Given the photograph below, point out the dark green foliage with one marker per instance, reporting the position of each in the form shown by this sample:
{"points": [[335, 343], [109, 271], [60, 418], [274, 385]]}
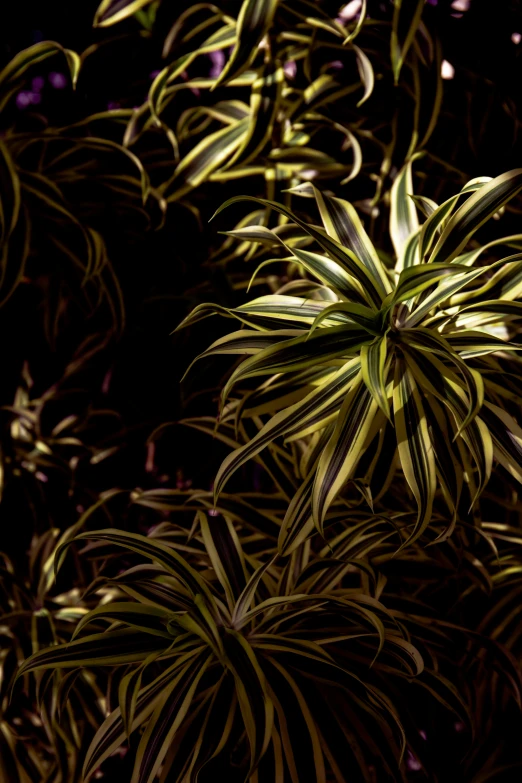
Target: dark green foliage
{"points": [[298, 558]]}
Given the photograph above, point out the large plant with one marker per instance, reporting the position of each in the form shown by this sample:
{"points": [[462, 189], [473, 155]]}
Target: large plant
{"points": [[228, 657], [375, 367]]}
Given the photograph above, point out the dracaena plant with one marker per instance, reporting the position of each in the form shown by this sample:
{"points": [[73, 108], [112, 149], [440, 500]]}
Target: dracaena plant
{"points": [[224, 658], [285, 92], [373, 367]]}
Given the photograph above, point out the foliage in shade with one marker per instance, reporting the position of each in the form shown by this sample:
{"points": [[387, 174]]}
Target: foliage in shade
{"points": [[265, 639], [340, 600]]}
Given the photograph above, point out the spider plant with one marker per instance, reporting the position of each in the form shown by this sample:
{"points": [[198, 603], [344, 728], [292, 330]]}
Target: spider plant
{"points": [[215, 656], [376, 367], [285, 93]]}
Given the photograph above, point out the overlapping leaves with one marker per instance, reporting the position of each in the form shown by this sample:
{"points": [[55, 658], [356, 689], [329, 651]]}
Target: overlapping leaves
{"points": [[400, 365], [244, 640]]}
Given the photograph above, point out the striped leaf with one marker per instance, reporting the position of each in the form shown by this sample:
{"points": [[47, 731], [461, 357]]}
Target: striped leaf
{"points": [[344, 449], [406, 19], [403, 215], [476, 210], [255, 18], [373, 365], [414, 444], [110, 12]]}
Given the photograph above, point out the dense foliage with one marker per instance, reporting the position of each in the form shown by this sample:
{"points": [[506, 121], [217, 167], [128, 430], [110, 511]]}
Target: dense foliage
{"points": [[298, 556]]}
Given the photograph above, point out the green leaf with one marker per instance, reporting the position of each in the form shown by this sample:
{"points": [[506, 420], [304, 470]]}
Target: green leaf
{"points": [[344, 225], [100, 649], [343, 256], [226, 555], [344, 449], [264, 105], [255, 703], [174, 704], [365, 69], [147, 547], [207, 156], [9, 194], [413, 280], [475, 211], [318, 403], [20, 63], [406, 19], [373, 363], [403, 215], [140, 617], [414, 444], [254, 20], [112, 11]]}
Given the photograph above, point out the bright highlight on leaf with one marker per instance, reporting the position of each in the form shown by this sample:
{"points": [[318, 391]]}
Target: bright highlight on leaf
{"points": [[398, 354]]}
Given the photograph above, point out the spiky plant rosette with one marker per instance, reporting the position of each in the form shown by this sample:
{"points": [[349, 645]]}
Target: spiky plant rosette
{"points": [[375, 368], [220, 656]]}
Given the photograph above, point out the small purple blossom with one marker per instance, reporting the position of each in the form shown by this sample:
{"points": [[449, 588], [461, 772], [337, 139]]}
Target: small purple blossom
{"points": [[212, 512], [413, 763], [23, 99], [290, 69], [38, 83], [57, 80], [112, 105], [350, 11], [423, 734], [461, 5], [153, 74], [26, 98], [217, 58]]}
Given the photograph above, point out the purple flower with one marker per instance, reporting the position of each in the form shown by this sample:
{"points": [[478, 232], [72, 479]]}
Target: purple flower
{"points": [[26, 98], [153, 74], [413, 763], [111, 105], [217, 58], [38, 83], [290, 69], [57, 80], [23, 99], [349, 11]]}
